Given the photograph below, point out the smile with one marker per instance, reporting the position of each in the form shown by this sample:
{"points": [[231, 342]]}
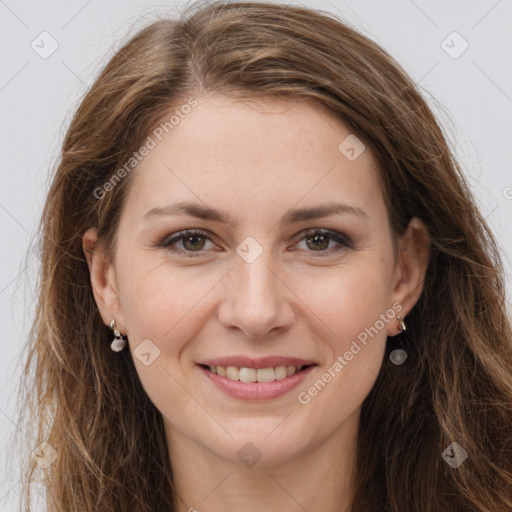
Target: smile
{"points": [[256, 383], [244, 374]]}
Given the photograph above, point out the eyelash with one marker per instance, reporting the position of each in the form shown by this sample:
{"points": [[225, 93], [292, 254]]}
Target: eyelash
{"points": [[342, 240]]}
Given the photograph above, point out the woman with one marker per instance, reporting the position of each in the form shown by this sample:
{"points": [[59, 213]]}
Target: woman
{"points": [[266, 285]]}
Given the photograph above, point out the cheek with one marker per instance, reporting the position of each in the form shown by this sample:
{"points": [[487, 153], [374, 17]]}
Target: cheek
{"points": [[349, 298], [352, 302], [352, 308], [163, 303]]}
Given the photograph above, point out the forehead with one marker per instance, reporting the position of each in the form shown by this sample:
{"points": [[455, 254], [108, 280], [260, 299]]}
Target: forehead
{"points": [[261, 152]]}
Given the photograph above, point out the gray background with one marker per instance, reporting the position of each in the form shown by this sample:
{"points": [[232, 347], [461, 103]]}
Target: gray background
{"points": [[470, 91]]}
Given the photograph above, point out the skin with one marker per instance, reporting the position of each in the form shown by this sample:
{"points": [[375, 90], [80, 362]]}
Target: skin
{"points": [[257, 161]]}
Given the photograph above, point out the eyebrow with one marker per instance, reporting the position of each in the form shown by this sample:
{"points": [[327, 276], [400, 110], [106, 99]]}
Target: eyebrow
{"points": [[292, 216]]}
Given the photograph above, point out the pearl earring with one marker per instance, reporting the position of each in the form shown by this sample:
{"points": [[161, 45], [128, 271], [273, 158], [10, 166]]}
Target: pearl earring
{"points": [[119, 342], [398, 356]]}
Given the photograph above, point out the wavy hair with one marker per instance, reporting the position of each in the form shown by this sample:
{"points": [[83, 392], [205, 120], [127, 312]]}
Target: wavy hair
{"points": [[456, 386]]}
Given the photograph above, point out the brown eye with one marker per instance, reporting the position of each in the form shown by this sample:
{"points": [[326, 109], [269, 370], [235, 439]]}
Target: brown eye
{"points": [[318, 242], [192, 241]]}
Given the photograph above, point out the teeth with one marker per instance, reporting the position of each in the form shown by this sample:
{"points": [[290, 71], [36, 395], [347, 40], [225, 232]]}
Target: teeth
{"points": [[280, 372], [265, 375], [255, 374], [233, 373], [247, 374]]}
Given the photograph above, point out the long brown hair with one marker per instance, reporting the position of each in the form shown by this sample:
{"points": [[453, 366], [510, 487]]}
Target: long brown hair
{"points": [[87, 402]]}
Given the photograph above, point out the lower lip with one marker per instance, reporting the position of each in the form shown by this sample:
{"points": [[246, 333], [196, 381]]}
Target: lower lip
{"points": [[254, 391]]}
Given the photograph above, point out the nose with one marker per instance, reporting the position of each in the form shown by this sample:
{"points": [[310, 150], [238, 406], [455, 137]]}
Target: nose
{"points": [[256, 298]]}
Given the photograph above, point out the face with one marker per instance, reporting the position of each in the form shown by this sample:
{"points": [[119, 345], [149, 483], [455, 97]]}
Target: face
{"points": [[269, 282]]}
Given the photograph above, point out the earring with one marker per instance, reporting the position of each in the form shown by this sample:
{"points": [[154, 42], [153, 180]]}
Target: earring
{"points": [[119, 342], [401, 324], [398, 356]]}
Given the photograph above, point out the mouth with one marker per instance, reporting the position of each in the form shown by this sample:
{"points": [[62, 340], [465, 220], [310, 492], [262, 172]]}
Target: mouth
{"points": [[256, 384], [246, 374]]}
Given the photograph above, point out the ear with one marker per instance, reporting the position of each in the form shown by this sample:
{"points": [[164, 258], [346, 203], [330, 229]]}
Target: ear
{"points": [[413, 259], [103, 280]]}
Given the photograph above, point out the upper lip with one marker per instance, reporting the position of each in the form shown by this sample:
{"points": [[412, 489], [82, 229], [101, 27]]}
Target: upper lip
{"points": [[262, 362]]}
